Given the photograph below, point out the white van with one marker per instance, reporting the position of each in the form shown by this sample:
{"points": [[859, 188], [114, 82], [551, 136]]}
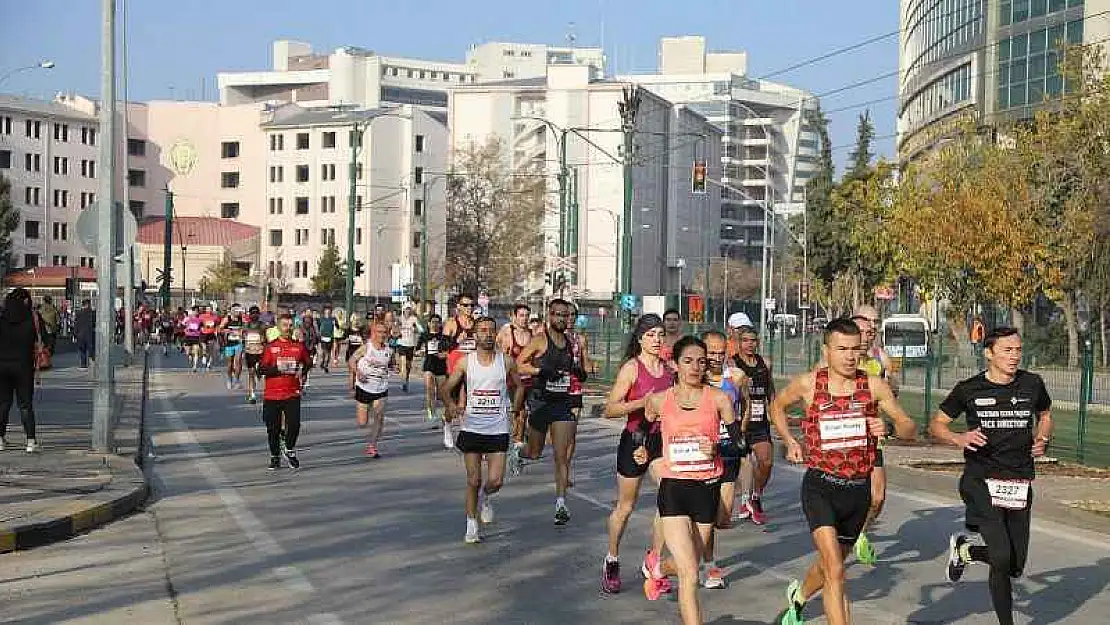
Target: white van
{"points": [[905, 336]]}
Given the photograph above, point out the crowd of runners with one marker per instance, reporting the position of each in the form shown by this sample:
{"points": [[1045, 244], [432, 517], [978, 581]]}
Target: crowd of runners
{"points": [[702, 416]]}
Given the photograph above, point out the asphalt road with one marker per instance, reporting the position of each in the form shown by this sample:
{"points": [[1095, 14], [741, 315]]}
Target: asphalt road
{"points": [[350, 540]]}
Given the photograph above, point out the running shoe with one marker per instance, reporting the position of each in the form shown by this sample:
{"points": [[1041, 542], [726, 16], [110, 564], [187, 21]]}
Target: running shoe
{"points": [[229, 384], [655, 588], [742, 511], [32, 446], [291, 457], [251, 399], [448, 437], [611, 577], [755, 511], [405, 387], [794, 605], [275, 463], [652, 566], [3, 443], [429, 415], [487, 510], [714, 578], [562, 515], [956, 563], [865, 551], [472, 536]]}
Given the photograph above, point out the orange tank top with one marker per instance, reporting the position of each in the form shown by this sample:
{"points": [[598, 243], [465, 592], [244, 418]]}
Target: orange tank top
{"points": [[684, 432]]}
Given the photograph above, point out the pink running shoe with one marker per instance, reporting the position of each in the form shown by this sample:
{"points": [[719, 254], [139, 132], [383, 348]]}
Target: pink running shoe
{"points": [[755, 507]]}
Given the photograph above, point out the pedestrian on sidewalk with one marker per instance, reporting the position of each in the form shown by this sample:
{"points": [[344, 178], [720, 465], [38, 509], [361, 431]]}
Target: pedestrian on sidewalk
{"points": [[84, 327], [20, 341], [51, 320]]}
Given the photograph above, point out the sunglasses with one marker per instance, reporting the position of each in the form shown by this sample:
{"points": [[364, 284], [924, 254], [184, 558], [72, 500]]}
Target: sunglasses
{"points": [[466, 305]]}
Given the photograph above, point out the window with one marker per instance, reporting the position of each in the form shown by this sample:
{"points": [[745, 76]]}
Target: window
{"points": [[88, 135], [358, 171], [60, 261], [33, 129], [88, 168], [61, 231], [418, 207], [327, 204], [87, 261], [61, 132], [61, 166], [302, 173], [32, 162], [138, 208], [136, 147], [418, 175], [61, 198], [277, 205], [507, 74], [419, 143], [30, 261], [300, 269], [30, 229], [33, 196], [5, 125], [302, 140], [358, 202], [302, 206], [358, 236], [417, 238], [5, 159], [277, 173], [229, 210], [327, 171], [354, 139], [88, 199], [277, 142], [300, 236], [229, 149], [229, 180], [327, 236], [329, 140], [508, 53], [275, 238], [136, 177]]}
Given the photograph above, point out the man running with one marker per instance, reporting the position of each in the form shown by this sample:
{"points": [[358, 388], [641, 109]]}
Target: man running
{"points": [[356, 335], [435, 344], [254, 343], [406, 343], [841, 427], [489, 375], [191, 327], [369, 385], [875, 361], [209, 326], [672, 331], [167, 327], [756, 468], [232, 330], [1009, 422], [327, 327], [550, 359], [511, 340], [284, 363]]}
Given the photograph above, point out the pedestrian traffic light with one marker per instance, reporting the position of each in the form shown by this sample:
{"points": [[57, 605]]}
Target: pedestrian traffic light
{"points": [[358, 268], [697, 182]]}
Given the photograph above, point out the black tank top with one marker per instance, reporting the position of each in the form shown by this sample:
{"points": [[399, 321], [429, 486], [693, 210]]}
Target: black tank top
{"points": [[558, 359], [760, 389]]}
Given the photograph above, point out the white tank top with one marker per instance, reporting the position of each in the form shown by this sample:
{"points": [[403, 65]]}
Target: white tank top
{"points": [[372, 370], [487, 396]]}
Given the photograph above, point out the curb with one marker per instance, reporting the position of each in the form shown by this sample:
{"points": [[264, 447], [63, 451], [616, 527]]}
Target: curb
{"points": [[79, 517]]}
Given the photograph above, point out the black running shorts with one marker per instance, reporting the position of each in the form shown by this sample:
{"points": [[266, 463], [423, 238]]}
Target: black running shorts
{"points": [[363, 397], [696, 499], [474, 443], [541, 414], [761, 435], [251, 360], [830, 501], [435, 365], [626, 462], [406, 351]]}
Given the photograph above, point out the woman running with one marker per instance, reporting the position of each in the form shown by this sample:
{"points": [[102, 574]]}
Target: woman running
{"points": [[691, 416], [434, 342], [369, 384], [642, 374], [191, 331], [355, 336]]}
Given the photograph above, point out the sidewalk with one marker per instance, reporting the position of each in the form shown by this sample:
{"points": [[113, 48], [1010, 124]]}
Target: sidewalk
{"points": [[66, 489]]}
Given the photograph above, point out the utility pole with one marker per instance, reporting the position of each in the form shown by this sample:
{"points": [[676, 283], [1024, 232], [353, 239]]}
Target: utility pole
{"points": [[167, 250], [572, 219], [557, 277], [764, 288], [628, 108], [423, 249], [128, 247], [356, 144], [105, 262]]}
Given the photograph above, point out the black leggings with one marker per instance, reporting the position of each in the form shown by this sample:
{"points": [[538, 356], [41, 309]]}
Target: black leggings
{"points": [[272, 410], [1006, 534], [20, 381]]}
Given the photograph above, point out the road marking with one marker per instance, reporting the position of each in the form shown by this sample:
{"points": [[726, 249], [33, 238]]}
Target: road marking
{"points": [[324, 619]]}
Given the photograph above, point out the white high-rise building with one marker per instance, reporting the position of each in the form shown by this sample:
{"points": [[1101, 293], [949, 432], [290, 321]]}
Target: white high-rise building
{"points": [[398, 184], [673, 230], [770, 150], [495, 61]]}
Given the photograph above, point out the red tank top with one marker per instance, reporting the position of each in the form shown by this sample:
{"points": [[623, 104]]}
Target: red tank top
{"points": [[644, 385], [685, 432], [835, 429]]}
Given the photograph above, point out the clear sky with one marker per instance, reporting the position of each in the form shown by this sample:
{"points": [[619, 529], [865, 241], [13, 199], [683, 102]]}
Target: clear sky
{"points": [[176, 47]]}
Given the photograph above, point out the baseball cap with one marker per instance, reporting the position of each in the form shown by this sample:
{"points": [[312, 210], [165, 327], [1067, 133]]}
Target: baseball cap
{"points": [[739, 320]]}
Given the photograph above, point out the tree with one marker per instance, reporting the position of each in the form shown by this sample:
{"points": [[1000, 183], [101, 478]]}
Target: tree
{"points": [[9, 221], [861, 156], [827, 237], [331, 274], [221, 278], [494, 220], [741, 279]]}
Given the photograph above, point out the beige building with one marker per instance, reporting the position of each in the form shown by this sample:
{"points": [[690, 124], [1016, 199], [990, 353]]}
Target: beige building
{"points": [[198, 243]]}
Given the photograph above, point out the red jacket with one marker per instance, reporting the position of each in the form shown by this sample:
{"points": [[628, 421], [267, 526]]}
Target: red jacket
{"points": [[284, 362]]}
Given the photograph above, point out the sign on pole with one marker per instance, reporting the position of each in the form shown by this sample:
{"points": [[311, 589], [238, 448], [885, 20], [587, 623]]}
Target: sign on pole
{"points": [[696, 306], [769, 303]]}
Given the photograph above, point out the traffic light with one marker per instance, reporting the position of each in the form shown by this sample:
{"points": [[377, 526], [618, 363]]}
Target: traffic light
{"points": [[697, 179], [71, 289], [358, 268]]}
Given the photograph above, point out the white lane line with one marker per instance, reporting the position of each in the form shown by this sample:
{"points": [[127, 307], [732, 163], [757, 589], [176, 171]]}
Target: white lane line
{"points": [[324, 619]]}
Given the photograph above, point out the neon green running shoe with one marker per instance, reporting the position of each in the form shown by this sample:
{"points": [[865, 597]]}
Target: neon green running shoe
{"points": [[794, 605], [865, 552]]}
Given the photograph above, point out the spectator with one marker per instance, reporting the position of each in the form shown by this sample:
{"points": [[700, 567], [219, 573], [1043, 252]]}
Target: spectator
{"points": [[20, 338], [51, 321], [84, 328]]}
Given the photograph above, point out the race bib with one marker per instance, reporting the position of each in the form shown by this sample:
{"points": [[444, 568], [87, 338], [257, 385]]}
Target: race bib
{"points": [[192, 326], [234, 335], [371, 371], [209, 324], [485, 403], [355, 339], [432, 346], [1009, 494], [560, 384], [326, 339], [842, 430], [288, 366], [467, 345], [254, 338], [759, 409], [684, 454]]}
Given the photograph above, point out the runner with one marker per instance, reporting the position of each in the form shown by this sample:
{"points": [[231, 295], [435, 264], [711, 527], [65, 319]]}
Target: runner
{"points": [[691, 415], [489, 374], [435, 342], [535, 325], [1009, 422], [369, 384], [460, 330], [167, 330], [511, 340], [309, 335], [642, 374], [756, 468], [356, 335], [672, 326], [327, 327], [191, 331], [254, 339], [339, 335], [284, 363], [179, 328], [875, 361], [406, 343], [550, 359], [209, 324], [840, 426], [232, 330], [735, 384]]}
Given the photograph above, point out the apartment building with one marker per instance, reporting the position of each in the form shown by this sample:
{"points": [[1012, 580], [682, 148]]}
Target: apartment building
{"points": [[400, 154], [495, 60]]}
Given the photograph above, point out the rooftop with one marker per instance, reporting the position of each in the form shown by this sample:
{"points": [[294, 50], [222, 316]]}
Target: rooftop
{"points": [[196, 231], [19, 103]]}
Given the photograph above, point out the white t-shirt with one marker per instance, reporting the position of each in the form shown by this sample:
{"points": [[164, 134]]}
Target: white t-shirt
{"points": [[409, 330], [487, 396], [372, 370]]}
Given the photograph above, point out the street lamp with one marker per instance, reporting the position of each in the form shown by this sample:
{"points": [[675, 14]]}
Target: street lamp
{"points": [[40, 65]]}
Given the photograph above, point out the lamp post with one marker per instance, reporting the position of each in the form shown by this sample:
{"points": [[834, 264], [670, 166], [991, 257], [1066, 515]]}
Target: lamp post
{"points": [[40, 65]]}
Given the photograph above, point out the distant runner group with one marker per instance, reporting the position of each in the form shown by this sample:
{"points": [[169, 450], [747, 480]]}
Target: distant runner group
{"points": [[698, 411]]}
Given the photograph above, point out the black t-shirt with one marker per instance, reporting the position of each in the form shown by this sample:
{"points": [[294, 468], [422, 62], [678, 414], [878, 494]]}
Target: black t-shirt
{"points": [[434, 343], [1007, 414]]}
